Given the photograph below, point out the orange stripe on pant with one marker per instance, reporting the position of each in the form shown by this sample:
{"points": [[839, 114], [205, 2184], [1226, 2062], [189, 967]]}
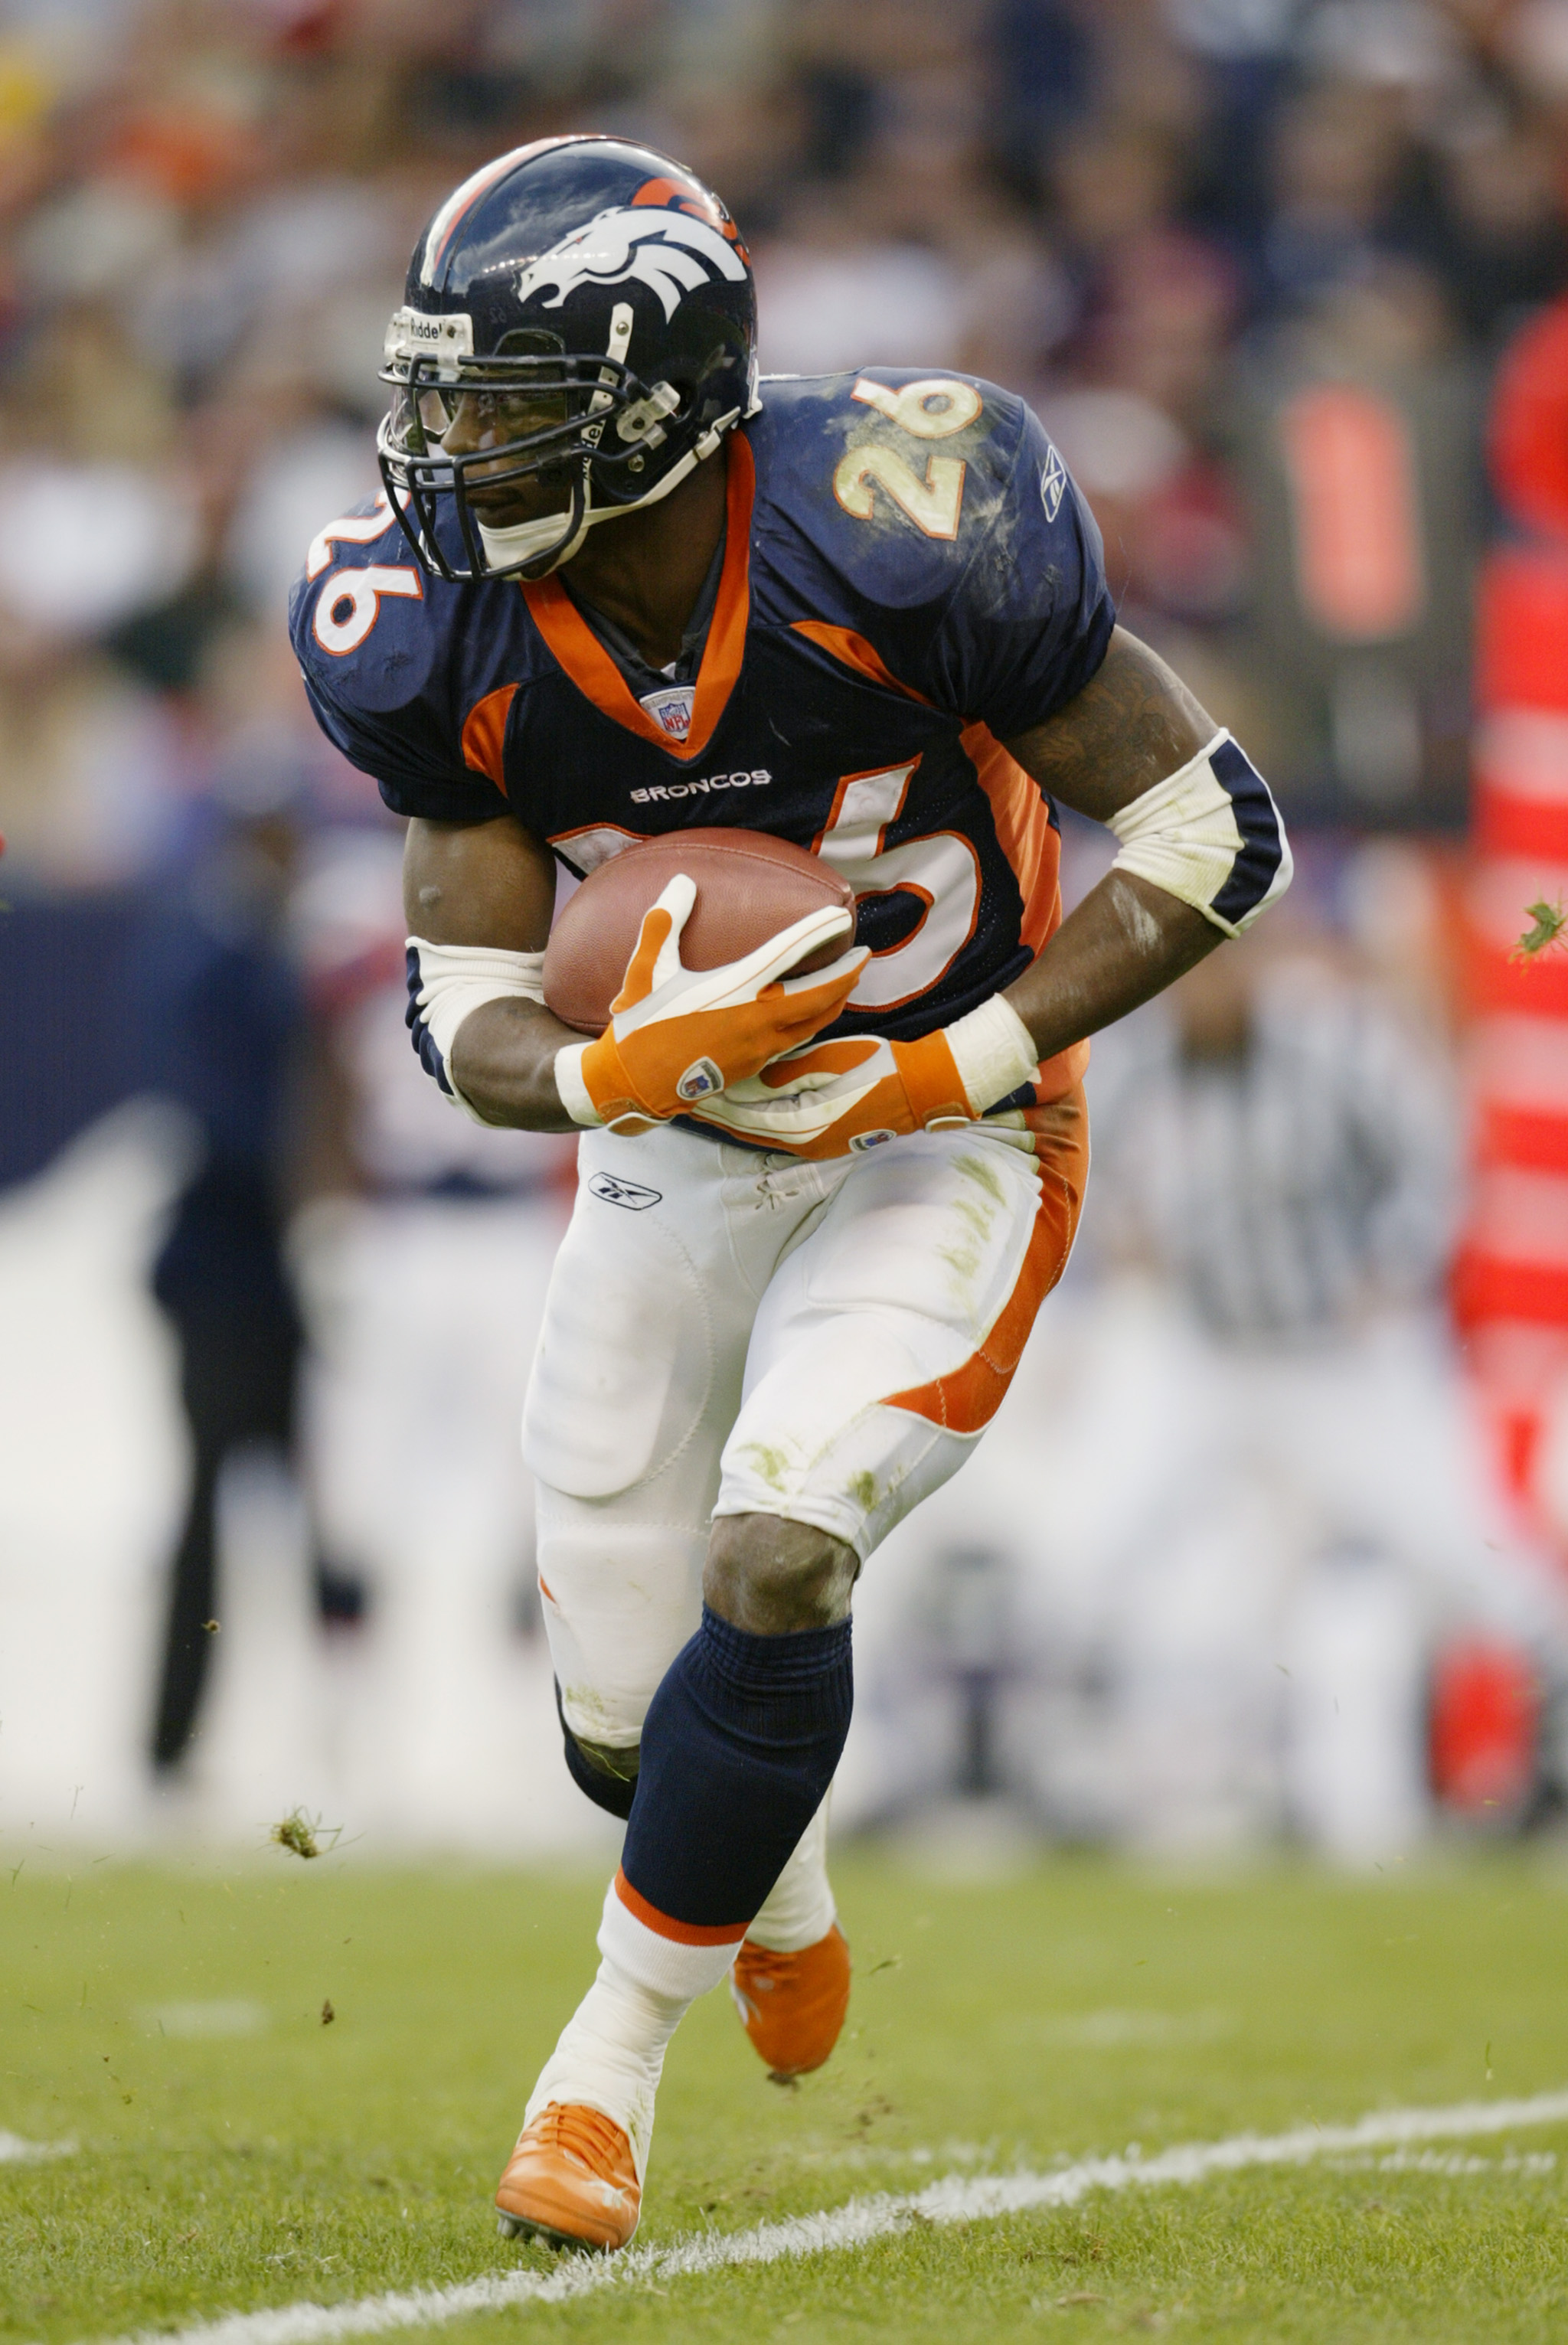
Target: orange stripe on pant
{"points": [[967, 1400]]}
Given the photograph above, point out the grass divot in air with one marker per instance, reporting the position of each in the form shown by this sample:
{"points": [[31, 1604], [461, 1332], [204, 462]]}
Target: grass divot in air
{"points": [[304, 1834], [1547, 924]]}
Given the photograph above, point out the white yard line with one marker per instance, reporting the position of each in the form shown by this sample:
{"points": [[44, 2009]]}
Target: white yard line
{"points": [[955, 2198], [15, 2151]]}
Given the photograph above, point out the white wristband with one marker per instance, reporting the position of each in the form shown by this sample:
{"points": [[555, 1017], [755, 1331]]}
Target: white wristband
{"points": [[993, 1052], [574, 1095], [446, 984]]}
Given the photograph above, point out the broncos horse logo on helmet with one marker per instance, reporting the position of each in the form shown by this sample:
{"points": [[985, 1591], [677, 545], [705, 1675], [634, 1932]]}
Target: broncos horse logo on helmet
{"points": [[621, 244], [578, 331]]}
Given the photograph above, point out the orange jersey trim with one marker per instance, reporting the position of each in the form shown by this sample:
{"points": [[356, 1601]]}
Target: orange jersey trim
{"points": [[853, 651], [584, 659], [967, 1400], [1033, 846], [484, 734], [1023, 830], [685, 1933]]}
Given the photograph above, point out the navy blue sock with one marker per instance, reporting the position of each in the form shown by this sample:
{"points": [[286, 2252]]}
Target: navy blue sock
{"points": [[738, 1748]]}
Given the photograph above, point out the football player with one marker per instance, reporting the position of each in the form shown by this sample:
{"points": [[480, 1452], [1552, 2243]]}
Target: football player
{"points": [[617, 587]]}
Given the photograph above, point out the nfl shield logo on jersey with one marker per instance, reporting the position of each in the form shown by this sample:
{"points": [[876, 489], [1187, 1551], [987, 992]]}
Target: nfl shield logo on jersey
{"points": [[671, 709]]}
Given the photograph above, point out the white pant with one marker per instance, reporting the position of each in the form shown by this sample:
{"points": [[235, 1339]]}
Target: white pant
{"points": [[728, 1333]]}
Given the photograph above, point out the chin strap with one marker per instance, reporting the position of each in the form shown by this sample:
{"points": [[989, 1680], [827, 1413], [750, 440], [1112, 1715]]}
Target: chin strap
{"points": [[528, 550], [517, 551]]}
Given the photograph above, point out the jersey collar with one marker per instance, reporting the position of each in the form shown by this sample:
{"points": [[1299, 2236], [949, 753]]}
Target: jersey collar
{"points": [[584, 659]]}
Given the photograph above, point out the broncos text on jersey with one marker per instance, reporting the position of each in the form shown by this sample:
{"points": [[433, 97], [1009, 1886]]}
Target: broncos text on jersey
{"points": [[909, 578]]}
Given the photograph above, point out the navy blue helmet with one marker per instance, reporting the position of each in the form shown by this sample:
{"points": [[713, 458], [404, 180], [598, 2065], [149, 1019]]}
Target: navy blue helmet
{"points": [[578, 330]]}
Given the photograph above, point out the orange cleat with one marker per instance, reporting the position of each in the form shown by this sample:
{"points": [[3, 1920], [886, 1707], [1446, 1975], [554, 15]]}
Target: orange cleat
{"points": [[792, 2006], [571, 2181]]}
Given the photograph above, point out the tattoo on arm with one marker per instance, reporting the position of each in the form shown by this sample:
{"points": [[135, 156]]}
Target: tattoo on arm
{"points": [[1131, 725]]}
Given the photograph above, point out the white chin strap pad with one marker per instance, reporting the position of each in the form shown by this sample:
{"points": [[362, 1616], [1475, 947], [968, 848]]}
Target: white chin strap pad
{"points": [[530, 541], [1211, 835]]}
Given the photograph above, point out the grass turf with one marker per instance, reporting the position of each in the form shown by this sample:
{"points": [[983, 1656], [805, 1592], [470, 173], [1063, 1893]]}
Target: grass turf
{"points": [[1070, 2010]]}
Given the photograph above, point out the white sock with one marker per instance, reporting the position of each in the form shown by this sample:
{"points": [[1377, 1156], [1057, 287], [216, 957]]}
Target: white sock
{"points": [[799, 1908], [611, 2054]]}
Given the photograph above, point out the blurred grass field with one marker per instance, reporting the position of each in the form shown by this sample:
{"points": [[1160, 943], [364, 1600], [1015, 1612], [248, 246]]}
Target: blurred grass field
{"points": [[239, 2148]]}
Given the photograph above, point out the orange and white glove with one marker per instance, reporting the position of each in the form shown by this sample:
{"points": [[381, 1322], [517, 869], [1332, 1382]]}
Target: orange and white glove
{"points": [[680, 1035], [838, 1098]]}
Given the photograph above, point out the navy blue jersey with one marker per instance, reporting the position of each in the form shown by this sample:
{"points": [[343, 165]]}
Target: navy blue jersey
{"points": [[910, 578]]}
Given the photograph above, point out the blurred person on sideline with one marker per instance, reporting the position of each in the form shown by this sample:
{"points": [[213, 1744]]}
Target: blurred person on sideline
{"points": [[425, 1239], [1301, 1515], [1274, 1555], [221, 997]]}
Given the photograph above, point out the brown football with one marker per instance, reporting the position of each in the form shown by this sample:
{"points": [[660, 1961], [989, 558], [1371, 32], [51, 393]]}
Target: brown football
{"points": [[748, 887]]}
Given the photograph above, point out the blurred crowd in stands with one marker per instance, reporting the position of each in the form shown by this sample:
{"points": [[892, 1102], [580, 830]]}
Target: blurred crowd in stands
{"points": [[1254, 261], [1190, 230], [1161, 218], [1158, 217]]}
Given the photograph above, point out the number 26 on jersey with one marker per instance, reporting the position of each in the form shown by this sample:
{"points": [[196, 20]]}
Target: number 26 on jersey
{"points": [[932, 410]]}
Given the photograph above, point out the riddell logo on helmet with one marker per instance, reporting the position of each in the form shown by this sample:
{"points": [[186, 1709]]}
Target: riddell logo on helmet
{"points": [[670, 252], [449, 334]]}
